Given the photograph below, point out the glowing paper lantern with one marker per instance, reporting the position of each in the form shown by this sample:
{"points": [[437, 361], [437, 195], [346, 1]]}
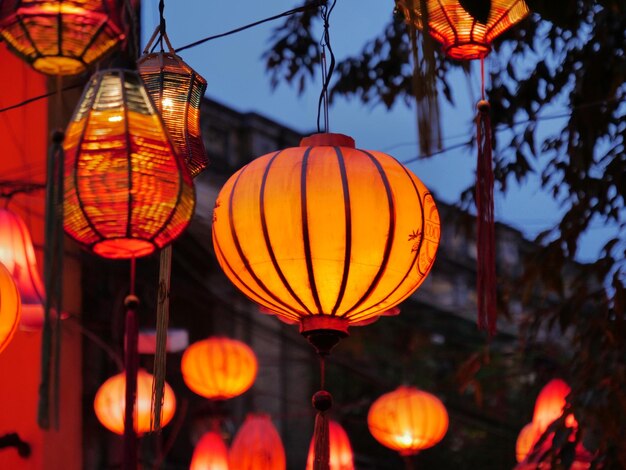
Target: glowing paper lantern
{"points": [[326, 235], [127, 191], [341, 457], [408, 420], [462, 35], [210, 453], [110, 403], [177, 90], [257, 446], [60, 37], [219, 368], [9, 307], [528, 437], [551, 403]]}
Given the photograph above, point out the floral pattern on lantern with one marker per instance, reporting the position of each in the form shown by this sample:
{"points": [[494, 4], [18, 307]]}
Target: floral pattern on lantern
{"points": [[257, 446], [341, 457], [10, 308]]}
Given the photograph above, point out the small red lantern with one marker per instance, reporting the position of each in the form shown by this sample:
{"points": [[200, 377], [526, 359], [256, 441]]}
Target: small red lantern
{"points": [[408, 420], [341, 457], [257, 446], [9, 307], [60, 37], [551, 403], [210, 453], [526, 440], [219, 368]]}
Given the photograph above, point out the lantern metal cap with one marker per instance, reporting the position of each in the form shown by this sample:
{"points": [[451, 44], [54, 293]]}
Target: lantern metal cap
{"points": [[327, 139]]}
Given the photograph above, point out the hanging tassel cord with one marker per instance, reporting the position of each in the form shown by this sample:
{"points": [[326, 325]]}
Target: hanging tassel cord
{"points": [[322, 402], [131, 365]]}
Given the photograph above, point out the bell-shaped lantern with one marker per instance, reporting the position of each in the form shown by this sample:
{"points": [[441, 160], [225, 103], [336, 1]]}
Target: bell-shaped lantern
{"points": [[551, 403], [177, 91], [110, 402], [9, 307], [408, 420], [463, 35], [219, 368], [61, 37], [341, 457], [127, 190], [210, 453], [257, 446]]}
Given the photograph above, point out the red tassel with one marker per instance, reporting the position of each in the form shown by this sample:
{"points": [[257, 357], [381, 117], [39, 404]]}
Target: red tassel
{"points": [[131, 360], [485, 227], [322, 402]]}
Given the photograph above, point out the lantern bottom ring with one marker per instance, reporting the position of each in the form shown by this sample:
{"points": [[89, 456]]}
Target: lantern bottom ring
{"points": [[58, 65], [324, 331], [135, 248], [467, 50]]}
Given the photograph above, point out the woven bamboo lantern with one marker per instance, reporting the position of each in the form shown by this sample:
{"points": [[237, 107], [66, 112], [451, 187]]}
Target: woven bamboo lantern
{"points": [[408, 420], [177, 91], [9, 307], [257, 446], [60, 37], [210, 453], [127, 191], [341, 457], [219, 368]]}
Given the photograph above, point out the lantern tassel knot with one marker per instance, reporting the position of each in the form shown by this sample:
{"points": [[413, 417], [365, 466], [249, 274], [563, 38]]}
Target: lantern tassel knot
{"points": [[322, 402]]}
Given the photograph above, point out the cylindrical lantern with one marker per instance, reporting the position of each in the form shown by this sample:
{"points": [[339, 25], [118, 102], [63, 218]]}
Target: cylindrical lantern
{"points": [[408, 420], [463, 36], [257, 446], [326, 235], [60, 37], [210, 453], [526, 440], [219, 368], [127, 191], [18, 256], [341, 457], [110, 403], [551, 403], [177, 91], [9, 307]]}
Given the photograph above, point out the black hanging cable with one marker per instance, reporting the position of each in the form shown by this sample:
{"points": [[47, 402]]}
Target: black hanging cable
{"points": [[326, 76], [161, 23]]}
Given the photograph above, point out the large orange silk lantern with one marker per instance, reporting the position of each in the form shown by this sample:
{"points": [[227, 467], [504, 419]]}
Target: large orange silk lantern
{"points": [[9, 307], [219, 368], [326, 235], [127, 191], [60, 37], [18, 256], [408, 420], [462, 35], [551, 403], [110, 401], [341, 457], [257, 446], [210, 453], [526, 440]]}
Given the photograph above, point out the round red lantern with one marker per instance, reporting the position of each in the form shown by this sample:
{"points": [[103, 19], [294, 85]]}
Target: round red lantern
{"points": [[341, 457], [408, 420], [127, 191], [551, 403], [110, 403], [526, 440], [257, 446], [10, 308], [219, 368], [60, 37], [210, 453]]}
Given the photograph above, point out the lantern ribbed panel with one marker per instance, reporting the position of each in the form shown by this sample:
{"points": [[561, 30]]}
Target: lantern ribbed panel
{"points": [[462, 36], [326, 230], [10, 308], [127, 192], [526, 440], [341, 457], [60, 37], [408, 420], [257, 446], [177, 91], [210, 453], [219, 368], [110, 401]]}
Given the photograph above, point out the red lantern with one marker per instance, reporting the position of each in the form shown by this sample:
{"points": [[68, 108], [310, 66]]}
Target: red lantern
{"points": [[210, 453], [408, 420], [127, 191], [9, 307], [257, 446], [551, 403], [528, 437], [60, 37], [219, 368], [340, 449]]}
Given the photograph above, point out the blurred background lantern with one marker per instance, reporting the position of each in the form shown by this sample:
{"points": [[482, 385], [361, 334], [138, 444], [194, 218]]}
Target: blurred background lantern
{"points": [[257, 445], [341, 457], [60, 37], [9, 307], [210, 453], [526, 440], [176, 90], [219, 368], [551, 403], [18, 256], [110, 402], [408, 420], [127, 191]]}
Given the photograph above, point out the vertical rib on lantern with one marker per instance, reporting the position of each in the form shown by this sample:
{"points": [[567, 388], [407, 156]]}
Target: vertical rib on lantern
{"points": [[127, 191]]}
